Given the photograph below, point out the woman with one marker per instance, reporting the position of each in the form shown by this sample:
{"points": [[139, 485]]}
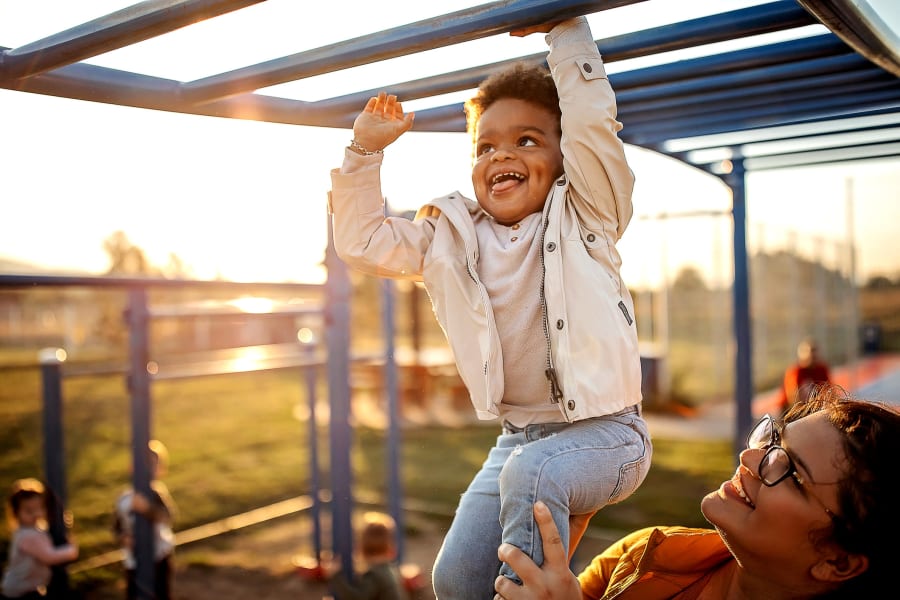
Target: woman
{"points": [[809, 513]]}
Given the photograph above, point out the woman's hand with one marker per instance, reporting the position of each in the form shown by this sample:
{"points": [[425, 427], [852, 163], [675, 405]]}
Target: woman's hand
{"points": [[551, 581], [381, 122]]}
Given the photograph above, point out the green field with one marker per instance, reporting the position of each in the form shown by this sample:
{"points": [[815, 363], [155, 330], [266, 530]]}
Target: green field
{"points": [[236, 443]]}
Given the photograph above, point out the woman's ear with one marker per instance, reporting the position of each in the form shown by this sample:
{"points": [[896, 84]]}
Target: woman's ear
{"points": [[840, 566]]}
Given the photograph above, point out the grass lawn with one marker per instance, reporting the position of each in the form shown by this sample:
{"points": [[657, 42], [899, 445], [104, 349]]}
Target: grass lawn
{"points": [[236, 443]]}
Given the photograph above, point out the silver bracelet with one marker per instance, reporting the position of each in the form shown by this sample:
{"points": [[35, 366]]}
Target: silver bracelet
{"points": [[359, 149]]}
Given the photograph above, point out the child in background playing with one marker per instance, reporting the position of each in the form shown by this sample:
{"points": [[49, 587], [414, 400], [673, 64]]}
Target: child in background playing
{"points": [[32, 552], [526, 285], [159, 509], [382, 579]]}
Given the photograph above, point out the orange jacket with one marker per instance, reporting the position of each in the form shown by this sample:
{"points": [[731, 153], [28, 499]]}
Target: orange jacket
{"points": [[654, 563]]}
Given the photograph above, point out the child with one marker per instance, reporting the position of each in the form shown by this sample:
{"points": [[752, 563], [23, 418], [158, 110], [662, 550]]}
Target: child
{"points": [[802, 377], [159, 509], [382, 580], [526, 286], [32, 552]]}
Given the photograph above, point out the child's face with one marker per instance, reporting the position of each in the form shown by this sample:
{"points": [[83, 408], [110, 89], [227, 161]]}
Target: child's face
{"points": [[31, 512], [517, 159]]}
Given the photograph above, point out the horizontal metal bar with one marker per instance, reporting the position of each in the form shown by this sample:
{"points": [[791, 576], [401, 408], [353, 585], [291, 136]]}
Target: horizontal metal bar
{"points": [[813, 130], [654, 79], [758, 57], [747, 80], [116, 30], [841, 107], [774, 149], [755, 20], [231, 310], [28, 281], [827, 156], [783, 96], [87, 82], [445, 30]]}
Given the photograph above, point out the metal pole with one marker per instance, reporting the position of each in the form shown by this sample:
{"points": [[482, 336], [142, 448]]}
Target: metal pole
{"points": [[395, 490], [51, 360], [851, 299], [743, 359], [337, 331], [137, 316], [313, 441]]}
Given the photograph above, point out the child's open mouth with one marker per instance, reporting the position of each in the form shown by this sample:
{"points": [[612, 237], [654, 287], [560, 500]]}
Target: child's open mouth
{"points": [[503, 182]]}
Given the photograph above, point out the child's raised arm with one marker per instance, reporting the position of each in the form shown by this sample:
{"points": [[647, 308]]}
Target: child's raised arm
{"points": [[379, 124]]}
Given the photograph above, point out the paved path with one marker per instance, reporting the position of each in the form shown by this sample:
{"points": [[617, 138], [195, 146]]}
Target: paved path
{"points": [[871, 378]]}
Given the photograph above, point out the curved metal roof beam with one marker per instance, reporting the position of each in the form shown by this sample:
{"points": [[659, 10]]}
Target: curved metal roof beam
{"points": [[861, 27]]}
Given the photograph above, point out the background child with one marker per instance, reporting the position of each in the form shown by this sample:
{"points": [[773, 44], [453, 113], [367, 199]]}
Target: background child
{"points": [[32, 553], [526, 285], [159, 509], [378, 548], [801, 378]]}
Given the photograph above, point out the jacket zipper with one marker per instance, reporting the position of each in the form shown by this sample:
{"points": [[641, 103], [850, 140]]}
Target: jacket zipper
{"points": [[556, 393]]}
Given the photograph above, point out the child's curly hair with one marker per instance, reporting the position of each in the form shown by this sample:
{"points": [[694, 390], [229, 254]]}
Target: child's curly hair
{"points": [[525, 81]]}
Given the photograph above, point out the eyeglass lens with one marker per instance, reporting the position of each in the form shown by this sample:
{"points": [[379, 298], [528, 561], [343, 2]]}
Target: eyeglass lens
{"points": [[775, 466], [763, 435]]}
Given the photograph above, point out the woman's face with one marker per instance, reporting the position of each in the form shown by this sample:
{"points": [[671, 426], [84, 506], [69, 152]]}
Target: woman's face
{"points": [[770, 527]]}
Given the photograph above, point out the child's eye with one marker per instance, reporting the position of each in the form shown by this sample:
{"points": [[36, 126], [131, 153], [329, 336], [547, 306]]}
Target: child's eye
{"points": [[483, 149], [527, 141]]}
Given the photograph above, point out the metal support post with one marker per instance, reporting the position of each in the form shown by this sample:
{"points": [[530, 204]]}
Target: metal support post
{"points": [[337, 318], [51, 360], [743, 387], [395, 489], [137, 317]]}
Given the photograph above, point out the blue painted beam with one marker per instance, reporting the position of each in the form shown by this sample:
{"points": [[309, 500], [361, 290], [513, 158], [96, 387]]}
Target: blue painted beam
{"points": [[116, 30], [777, 100], [844, 106], [829, 129], [743, 364], [832, 155], [756, 20], [445, 30], [746, 80], [138, 320]]}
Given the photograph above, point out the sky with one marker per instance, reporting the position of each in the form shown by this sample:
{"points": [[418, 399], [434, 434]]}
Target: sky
{"points": [[245, 200]]}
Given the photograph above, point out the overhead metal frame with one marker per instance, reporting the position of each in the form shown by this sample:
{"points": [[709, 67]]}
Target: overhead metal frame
{"points": [[739, 107], [843, 84], [824, 79]]}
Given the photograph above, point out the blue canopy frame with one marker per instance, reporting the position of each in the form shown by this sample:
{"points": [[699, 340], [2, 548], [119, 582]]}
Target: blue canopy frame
{"points": [[689, 109]]}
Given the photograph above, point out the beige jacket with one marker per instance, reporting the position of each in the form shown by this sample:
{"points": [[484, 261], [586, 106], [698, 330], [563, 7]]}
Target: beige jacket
{"points": [[592, 355]]}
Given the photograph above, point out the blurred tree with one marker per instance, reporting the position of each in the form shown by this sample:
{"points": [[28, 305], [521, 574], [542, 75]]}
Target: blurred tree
{"points": [[689, 279], [880, 282], [124, 257]]}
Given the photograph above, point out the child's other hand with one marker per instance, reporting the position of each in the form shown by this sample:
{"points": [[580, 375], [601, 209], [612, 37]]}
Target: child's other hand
{"points": [[140, 504], [541, 28], [381, 122]]}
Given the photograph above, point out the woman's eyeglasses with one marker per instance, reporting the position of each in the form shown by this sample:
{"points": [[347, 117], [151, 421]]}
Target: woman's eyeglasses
{"points": [[776, 464]]}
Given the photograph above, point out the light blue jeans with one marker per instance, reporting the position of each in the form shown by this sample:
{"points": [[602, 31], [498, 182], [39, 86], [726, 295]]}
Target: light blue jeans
{"points": [[575, 470]]}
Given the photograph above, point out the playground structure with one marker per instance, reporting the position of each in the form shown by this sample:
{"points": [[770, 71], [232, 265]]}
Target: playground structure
{"points": [[726, 113]]}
